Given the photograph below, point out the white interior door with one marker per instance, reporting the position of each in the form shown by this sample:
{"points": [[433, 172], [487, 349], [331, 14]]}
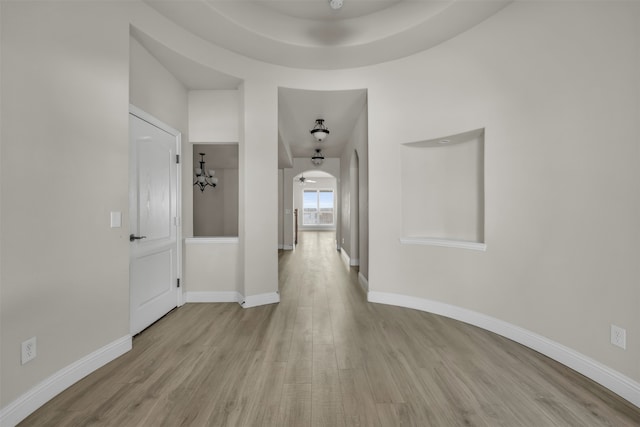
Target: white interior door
{"points": [[153, 210]]}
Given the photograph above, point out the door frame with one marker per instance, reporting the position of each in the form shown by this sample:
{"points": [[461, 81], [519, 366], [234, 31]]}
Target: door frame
{"points": [[142, 115]]}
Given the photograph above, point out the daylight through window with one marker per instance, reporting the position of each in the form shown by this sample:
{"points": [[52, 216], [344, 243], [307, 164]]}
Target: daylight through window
{"points": [[318, 207]]}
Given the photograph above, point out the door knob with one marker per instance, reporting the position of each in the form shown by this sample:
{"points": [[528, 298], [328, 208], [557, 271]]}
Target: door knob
{"points": [[132, 237]]}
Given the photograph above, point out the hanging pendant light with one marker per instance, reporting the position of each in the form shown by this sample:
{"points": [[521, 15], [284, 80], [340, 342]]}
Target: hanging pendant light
{"points": [[319, 131], [204, 177], [317, 158]]}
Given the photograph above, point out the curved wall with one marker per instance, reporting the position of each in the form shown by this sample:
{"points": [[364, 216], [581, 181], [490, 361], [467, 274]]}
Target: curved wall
{"points": [[555, 86]]}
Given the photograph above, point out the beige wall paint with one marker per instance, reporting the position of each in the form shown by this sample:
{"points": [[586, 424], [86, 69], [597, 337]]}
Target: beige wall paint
{"points": [[211, 267], [215, 210], [213, 116], [442, 188], [358, 142], [281, 208], [65, 102], [153, 89], [555, 85], [259, 188], [539, 78]]}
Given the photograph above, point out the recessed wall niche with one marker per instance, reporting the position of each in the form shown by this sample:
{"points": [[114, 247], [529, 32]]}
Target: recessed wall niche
{"points": [[215, 210], [443, 191]]}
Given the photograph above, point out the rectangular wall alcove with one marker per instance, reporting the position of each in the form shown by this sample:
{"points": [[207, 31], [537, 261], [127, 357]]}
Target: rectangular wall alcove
{"points": [[215, 210], [443, 191]]}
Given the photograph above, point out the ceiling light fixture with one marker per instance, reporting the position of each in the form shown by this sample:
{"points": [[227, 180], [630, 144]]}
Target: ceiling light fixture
{"points": [[336, 4], [319, 131], [317, 158], [302, 180], [204, 177]]}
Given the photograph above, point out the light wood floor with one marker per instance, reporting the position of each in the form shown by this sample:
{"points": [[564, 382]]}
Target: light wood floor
{"points": [[326, 357]]}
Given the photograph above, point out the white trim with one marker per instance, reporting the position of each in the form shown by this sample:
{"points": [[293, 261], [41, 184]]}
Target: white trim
{"points": [[46, 390], [152, 120], [353, 262], [143, 115], [221, 296], [211, 240], [260, 299], [287, 247], [345, 257], [430, 241], [604, 375], [317, 228], [363, 282], [181, 299]]}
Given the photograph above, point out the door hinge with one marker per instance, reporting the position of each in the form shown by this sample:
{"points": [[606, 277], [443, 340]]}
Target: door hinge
{"points": [[178, 282], [177, 158]]}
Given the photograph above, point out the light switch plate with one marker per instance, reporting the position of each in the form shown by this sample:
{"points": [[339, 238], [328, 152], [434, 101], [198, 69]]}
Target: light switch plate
{"points": [[116, 219]]}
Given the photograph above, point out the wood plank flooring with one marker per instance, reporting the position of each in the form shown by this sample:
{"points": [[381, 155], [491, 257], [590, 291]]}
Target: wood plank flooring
{"points": [[326, 357]]}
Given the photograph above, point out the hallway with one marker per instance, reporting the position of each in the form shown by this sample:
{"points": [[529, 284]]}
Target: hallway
{"points": [[326, 357]]}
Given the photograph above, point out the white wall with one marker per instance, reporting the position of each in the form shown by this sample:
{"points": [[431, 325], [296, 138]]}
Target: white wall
{"points": [[356, 242], [561, 175], [281, 209], [214, 266], [539, 78], [555, 85], [65, 101], [211, 267], [153, 89], [442, 188], [213, 116]]}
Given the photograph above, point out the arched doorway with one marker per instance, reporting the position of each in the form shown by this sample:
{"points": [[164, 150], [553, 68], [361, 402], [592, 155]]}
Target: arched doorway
{"points": [[315, 200]]}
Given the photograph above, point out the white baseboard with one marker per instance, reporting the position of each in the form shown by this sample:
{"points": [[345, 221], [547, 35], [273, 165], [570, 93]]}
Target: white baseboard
{"points": [[231, 296], [287, 247], [26, 404], [363, 282], [260, 299], [224, 296], [345, 257], [349, 262], [618, 383]]}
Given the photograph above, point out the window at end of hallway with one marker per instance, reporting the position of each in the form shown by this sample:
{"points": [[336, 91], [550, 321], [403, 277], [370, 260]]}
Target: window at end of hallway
{"points": [[318, 207]]}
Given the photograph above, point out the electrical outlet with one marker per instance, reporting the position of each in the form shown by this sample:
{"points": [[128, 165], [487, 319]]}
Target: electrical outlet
{"points": [[28, 350], [619, 337]]}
